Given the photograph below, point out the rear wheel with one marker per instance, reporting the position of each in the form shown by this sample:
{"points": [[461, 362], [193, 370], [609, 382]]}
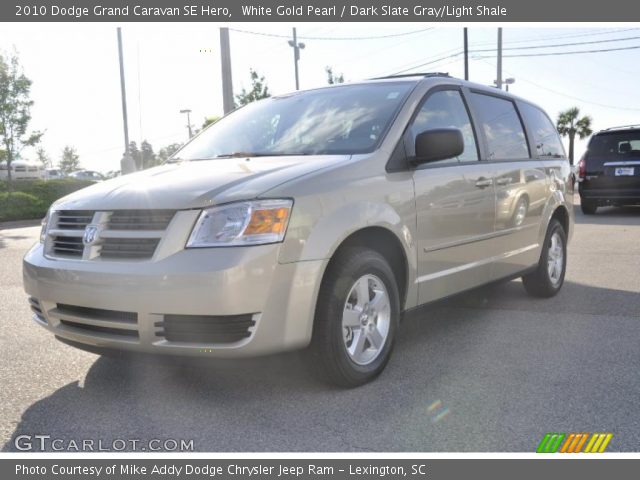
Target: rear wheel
{"points": [[357, 317], [548, 278], [588, 207]]}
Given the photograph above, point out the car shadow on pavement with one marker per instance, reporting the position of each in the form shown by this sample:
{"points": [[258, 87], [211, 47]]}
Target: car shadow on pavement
{"points": [[5, 238], [478, 352], [610, 216]]}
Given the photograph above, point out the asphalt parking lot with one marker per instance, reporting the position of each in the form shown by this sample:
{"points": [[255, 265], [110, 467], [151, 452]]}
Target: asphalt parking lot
{"points": [[491, 370]]}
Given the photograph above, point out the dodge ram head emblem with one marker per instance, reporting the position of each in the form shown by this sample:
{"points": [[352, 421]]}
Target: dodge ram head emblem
{"points": [[90, 234]]}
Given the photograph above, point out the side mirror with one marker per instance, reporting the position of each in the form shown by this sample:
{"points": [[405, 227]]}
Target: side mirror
{"points": [[438, 144]]}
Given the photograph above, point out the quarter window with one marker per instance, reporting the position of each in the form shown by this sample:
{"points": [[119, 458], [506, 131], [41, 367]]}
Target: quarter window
{"points": [[502, 127], [445, 109], [545, 136]]}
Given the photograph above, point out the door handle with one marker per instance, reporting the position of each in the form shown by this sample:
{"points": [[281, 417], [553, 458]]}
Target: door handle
{"points": [[484, 182]]}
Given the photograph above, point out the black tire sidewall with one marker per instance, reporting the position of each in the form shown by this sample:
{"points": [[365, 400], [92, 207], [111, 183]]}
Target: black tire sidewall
{"points": [[354, 264]]}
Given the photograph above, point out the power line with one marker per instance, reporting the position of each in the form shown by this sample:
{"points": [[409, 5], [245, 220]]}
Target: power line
{"points": [[374, 37], [520, 78], [573, 52], [555, 45], [544, 54]]}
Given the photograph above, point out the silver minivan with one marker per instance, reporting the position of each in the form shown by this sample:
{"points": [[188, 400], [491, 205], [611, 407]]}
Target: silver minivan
{"points": [[311, 220]]}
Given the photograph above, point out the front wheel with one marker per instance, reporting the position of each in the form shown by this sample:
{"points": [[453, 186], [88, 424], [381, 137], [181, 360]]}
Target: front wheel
{"points": [[548, 277], [357, 317]]}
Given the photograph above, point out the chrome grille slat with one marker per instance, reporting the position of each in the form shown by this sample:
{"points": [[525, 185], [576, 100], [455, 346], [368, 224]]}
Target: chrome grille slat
{"points": [[68, 246], [140, 219]]}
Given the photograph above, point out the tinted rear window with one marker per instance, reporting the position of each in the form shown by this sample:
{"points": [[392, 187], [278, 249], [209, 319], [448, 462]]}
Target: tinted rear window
{"points": [[615, 145]]}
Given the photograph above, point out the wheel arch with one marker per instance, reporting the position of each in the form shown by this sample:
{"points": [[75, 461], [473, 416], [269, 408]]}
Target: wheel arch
{"points": [[386, 243]]}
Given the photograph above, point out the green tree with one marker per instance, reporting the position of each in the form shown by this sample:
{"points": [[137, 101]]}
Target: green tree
{"points": [[166, 152], [135, 155], [258, 91], [147, 155], [70, 160], [333, 78], [44, 158], [570, 124], [209, 120], [15, 110]]}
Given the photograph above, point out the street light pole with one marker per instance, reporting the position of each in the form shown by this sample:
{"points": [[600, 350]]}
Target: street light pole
{"points": [[499, 78], [188, 112], [296, 54], [126, 164]]}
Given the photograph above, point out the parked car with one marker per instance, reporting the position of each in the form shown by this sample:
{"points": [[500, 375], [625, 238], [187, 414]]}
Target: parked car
{"points": [[609, 171], [21, 169], [314, 220], [54, 174], [87, 175]]}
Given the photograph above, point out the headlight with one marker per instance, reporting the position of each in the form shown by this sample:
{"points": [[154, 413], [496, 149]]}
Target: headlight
{"points": [[45, 224], [243, 223]]}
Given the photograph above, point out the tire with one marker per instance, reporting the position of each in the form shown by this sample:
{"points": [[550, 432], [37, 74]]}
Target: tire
{"points": [[588, 207], [347, 325], [546, 281]]}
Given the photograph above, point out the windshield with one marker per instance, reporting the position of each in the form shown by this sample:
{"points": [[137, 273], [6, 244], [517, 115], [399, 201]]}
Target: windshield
{"points": [[616, 146], [347, 119]]}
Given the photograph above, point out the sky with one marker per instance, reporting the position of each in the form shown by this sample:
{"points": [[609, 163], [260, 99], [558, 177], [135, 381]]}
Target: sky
{"points": [[174, 66]]}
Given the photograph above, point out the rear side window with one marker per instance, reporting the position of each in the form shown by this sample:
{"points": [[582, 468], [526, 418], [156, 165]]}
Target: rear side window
{"points": [[616, 145], [502, 127], [545, 136], [445, 109]]}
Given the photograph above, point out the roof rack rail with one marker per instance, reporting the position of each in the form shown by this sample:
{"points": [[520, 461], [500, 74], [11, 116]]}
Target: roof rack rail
{"points": [[425, 75], [636, 125]]}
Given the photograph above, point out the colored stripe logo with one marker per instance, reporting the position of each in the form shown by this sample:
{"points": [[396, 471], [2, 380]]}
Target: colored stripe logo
{"points": [[574, 442]]}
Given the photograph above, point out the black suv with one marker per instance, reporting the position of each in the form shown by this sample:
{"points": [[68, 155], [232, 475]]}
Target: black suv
{"points": [[609, 172]]}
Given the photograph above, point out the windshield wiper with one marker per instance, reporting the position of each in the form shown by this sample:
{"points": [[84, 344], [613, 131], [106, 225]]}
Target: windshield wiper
{"points": [[242, 154]]}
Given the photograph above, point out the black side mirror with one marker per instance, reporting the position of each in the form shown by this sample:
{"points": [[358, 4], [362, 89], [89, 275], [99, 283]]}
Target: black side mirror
{"points": [[438, 144]]}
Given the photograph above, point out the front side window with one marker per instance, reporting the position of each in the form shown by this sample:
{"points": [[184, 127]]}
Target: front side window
{"points": [[347, 119], [446, 109], [545, 136], [502, 127]]}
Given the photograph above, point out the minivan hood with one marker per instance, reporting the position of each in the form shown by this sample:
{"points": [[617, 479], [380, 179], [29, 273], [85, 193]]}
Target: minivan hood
{"points": [[196, 184]]}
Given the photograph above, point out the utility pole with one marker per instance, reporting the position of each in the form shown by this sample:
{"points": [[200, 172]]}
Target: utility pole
{"points": [[499, 77], [188, 112], [466, 54], [296, 54], [225, 59], [126, 165]]}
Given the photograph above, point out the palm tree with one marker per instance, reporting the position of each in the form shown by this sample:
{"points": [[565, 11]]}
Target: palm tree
{"points": [[569, 124]]}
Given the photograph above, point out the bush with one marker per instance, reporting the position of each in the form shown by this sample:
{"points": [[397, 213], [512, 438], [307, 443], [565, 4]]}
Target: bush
{"points": [[32, 198], [20, 206]]}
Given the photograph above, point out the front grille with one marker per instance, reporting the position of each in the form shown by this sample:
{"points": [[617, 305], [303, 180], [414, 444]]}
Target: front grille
{"points": [[140, 219], [123, 234], [68, 246], [36, 308], [74, 219], [128, 248], [206, 328], [97, 321]]}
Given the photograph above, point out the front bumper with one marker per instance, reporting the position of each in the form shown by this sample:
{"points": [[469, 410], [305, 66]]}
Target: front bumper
{"points": [[124, 305]]}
